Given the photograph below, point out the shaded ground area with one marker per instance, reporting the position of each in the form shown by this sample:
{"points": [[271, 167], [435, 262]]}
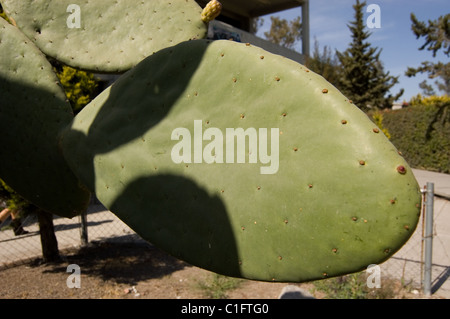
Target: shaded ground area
{"points": [[114, 270], [121, 270]]}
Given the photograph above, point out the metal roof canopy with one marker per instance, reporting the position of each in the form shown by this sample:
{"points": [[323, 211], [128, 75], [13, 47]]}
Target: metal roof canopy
{"points": [[240, 13]]}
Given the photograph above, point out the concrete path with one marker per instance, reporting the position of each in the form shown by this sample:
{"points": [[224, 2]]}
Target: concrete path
{"points": [[441, 230], [408, 261]]}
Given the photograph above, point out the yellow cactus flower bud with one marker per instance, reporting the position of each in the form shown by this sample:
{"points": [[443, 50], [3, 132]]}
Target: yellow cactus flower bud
{"points": [[211, 11]]}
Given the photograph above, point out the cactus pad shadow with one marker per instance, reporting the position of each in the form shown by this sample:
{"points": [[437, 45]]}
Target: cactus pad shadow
{"points": [[33, 112]]}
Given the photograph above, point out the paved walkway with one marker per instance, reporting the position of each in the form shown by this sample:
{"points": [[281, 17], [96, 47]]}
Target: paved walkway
{"points": [[406, 263], [441, 230]]}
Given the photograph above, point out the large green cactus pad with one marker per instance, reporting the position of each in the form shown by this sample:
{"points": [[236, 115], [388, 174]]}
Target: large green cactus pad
{"points": [[341, 199], [33, 110], [109, 35]]}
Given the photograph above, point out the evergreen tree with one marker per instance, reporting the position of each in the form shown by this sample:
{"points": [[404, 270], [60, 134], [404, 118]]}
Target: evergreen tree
{"points": [[324, 63], [437, 37], [436, 33], [363, 79]]}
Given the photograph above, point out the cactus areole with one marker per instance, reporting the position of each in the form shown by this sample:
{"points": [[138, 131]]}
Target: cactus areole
{"points": [[325, 211]]}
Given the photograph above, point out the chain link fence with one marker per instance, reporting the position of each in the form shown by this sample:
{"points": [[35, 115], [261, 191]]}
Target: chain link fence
{"points": [[101, 225], [406, 265]]}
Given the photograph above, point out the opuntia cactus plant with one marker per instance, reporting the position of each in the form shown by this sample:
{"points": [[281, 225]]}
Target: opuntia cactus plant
{"points": [[244, 163], [106, 36], [226, 156], [33, 111]]}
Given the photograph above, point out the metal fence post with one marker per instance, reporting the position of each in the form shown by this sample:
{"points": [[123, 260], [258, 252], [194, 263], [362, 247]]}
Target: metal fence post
{"points": [[429, 201]]}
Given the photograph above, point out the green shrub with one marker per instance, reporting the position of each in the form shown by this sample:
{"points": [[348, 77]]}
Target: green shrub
{"points": [[80, 86], [421, 132], [354, 286], [346, 287], [11, 198], [217, 286], [377, 117]]}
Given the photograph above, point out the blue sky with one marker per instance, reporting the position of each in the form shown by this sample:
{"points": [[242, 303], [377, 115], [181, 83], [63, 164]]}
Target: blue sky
{"points": [[328, 24]]}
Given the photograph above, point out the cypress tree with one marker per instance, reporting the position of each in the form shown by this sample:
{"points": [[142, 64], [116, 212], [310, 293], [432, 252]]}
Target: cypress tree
{"points": [[363, 79]]}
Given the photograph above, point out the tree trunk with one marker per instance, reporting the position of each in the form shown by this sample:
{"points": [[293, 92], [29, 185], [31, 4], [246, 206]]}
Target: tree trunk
{"points": [[49, 242]]}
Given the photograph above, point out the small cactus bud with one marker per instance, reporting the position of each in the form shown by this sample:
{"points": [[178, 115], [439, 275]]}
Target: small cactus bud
{"points": [[211, 11]]}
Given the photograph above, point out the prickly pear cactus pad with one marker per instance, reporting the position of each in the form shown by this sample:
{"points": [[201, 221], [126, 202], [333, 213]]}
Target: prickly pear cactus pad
{"points": [[108, 35], [245, 163], [33, 110]]}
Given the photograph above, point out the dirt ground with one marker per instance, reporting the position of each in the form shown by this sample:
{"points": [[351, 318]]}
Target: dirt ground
{"points": [[131, 271], [111, 270]]}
